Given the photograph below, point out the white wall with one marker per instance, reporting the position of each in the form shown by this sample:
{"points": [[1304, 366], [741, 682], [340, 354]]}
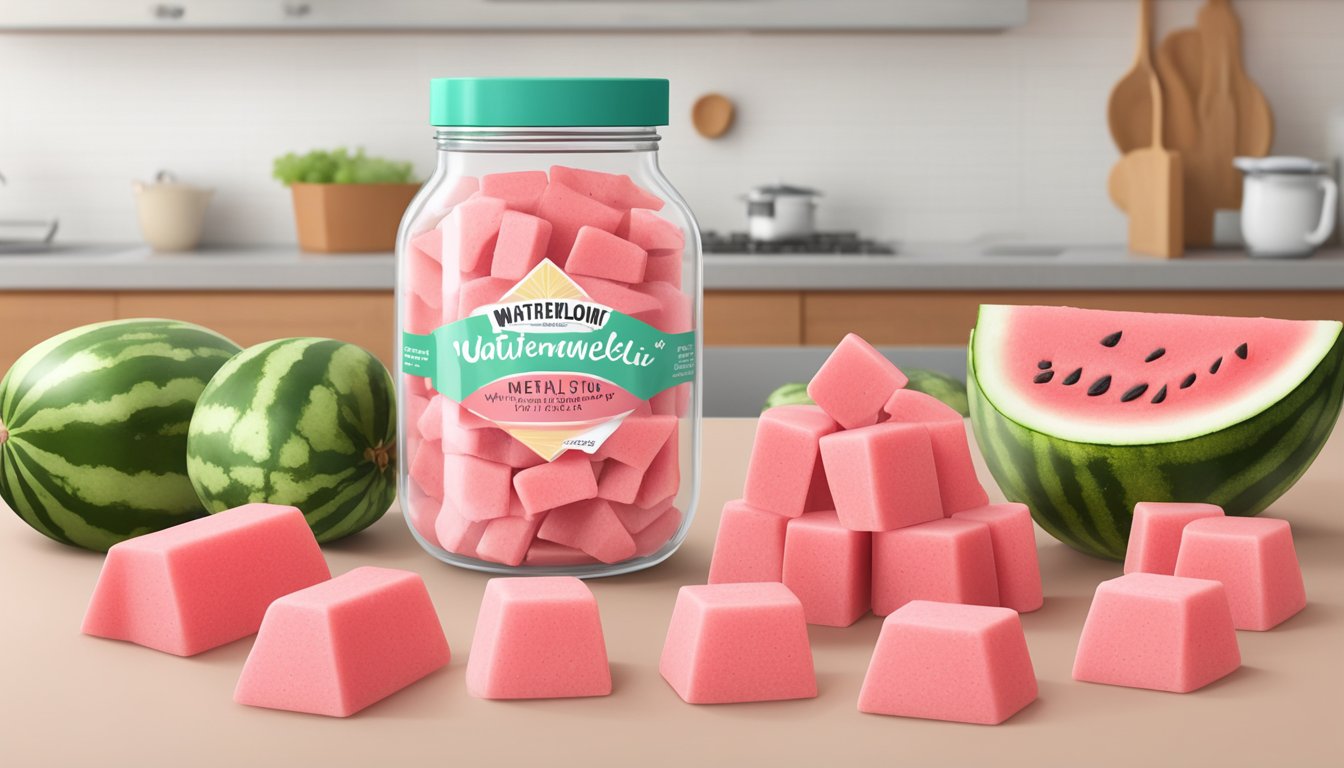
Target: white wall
{"points": [[910, 136]]}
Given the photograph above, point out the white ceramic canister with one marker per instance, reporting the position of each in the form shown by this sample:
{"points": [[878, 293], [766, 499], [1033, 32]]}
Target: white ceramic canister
{"points": [[1288, 206]]}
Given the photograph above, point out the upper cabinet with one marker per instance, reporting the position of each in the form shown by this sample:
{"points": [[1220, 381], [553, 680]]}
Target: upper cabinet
{"points": [[534, 15]]}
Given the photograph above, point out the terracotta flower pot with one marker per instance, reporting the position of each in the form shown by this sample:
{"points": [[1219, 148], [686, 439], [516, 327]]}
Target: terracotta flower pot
{"points": [[349, 218]]}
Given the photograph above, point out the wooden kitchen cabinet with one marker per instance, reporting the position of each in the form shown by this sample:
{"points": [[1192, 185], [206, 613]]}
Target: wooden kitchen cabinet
{"points": [[248, 317], [753, 318], [27, 318]]}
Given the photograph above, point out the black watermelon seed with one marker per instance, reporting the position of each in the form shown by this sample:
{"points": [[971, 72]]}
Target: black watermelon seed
{"points": [[1188, 381], [1161, 394], [1112, 340], [1156, 353], [1133, 393], [1216, 365], [1099, 386], [1043, 364], [1072, 378], [1044, 376], [1242, 350]]}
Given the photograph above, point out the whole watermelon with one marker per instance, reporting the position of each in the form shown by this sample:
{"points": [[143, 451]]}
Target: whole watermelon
{"points": [[93, 429], [309, 423]]}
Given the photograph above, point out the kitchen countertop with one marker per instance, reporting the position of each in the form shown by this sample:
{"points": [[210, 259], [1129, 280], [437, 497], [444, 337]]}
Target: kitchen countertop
{"points": [[68, 699], [915, 267]]}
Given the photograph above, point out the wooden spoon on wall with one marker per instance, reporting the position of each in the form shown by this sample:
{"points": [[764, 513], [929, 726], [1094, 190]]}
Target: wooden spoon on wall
{"points": [[1252, 124], [1129, 112], [1181, 61]]}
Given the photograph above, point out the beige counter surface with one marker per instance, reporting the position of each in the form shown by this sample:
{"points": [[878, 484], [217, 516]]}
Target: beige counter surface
{"points": [[70, 700]]}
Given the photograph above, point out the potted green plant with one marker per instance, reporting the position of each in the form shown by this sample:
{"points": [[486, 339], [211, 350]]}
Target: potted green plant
{"points": [[346, 202]]}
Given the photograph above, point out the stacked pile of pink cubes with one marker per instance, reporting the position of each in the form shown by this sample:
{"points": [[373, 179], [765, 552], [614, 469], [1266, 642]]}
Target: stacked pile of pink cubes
{"points": [[869, 500], [475, 489]]}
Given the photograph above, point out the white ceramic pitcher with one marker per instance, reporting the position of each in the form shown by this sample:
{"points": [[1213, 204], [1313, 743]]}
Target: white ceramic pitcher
{"points": [[1288, 206]]}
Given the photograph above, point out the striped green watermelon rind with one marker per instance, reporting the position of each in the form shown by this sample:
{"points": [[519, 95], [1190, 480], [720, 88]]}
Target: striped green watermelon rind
{"points": [[1083, 493], [309, 423], [96, 421]]}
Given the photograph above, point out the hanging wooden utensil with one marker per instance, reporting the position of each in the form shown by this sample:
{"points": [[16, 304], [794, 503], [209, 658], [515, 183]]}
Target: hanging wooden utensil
{"points": [[1129, 112], [1254, 123], [1181, 61]]}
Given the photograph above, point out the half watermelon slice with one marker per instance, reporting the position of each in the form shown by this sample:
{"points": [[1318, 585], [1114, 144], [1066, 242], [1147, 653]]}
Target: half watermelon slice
{"points": [[1083, 413]]}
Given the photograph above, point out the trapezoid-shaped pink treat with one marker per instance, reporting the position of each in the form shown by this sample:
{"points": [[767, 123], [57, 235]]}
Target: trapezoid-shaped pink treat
{"points": [[829, 568], [1167, 633], [469, 232], [882, 477], [457, 534], [430, 421], [427, 468], [948, 560], [663, 477], [648, 230], [943, 661], [206, 582], [618, 296], [521, 246], [520, 190], [636, 518], [958, 486], [784, 456], [614, 189], [479, 292], [491, 444], [731, 643], [602, 254], [749, 545], [592, 527], [1155, 534], [673, 314], [568, 210], [619, 482], [1256, 562], [855, 383], [548, 554], [335, 648], [1016, 563], [553, 484], [538, 638]]}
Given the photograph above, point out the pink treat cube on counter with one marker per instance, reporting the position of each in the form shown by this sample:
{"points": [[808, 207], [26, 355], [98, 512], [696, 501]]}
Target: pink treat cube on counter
{"points": [[538, 638], [749, 546], [958, 486], [1155, 536], [948, 560], [556, 483], [882, 477], [1256, 562], [1167, 633], [520, 190], [522, 244], [829, 568], [731, 643], [855, 383], [602, 254], [337, 647], [784, 456], [940, 661], [1016, 563], [205, 582]]}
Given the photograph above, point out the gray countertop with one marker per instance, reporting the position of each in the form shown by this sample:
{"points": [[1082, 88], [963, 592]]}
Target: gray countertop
{"points": [[915, 267]]}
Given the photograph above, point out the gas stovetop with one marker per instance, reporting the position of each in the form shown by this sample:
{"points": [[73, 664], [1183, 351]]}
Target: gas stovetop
{"points": [[821, 242]]}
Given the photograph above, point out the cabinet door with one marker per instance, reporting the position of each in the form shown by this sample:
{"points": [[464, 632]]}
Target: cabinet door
{"points": [[27, 318], [249, 317], [751, 319]]}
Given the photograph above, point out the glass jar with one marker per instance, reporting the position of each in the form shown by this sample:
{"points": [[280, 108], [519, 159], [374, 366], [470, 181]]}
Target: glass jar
{"points": [[548, 305]]}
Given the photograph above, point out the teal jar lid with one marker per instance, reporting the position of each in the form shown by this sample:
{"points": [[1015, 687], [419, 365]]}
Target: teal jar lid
{"points": [[506, 102]]}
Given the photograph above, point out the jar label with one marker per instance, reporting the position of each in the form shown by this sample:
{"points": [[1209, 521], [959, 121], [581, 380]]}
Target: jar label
{"points": [[549, 365]]}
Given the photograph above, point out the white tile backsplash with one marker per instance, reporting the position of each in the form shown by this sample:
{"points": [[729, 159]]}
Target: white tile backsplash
{"points": [[910, 136]]}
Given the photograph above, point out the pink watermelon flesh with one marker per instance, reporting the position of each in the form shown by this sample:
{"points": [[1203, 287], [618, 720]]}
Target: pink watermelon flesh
{"points": [[1124, 378]]}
